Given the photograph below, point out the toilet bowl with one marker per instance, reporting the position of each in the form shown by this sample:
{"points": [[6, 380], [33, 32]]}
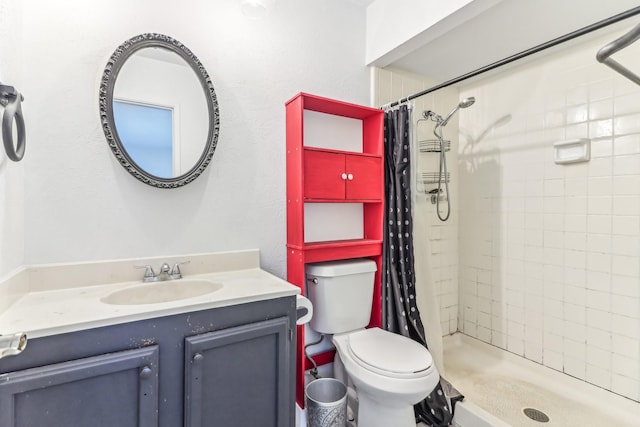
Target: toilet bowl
{"points": [[390, 372]]}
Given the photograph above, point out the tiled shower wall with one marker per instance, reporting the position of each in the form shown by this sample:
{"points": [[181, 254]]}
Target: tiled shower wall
{"points": [[549, 254], [435, 242]]}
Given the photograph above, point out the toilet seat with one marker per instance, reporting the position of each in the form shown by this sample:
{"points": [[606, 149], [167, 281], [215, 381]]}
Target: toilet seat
{"points": [[389, 354]]}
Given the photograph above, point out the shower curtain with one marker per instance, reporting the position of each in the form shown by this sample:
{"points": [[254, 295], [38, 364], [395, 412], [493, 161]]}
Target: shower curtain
{"points": [[400, 310]]}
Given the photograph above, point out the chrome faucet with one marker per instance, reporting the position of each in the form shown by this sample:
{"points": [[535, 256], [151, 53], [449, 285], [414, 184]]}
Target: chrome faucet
{"points": [[12, 345], [166, 272]]}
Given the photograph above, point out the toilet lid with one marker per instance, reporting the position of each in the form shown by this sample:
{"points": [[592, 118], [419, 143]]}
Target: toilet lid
{"points": [[389, 352]]}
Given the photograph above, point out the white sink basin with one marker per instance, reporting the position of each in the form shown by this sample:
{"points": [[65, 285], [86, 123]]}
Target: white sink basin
{"points": [[159, 292]]}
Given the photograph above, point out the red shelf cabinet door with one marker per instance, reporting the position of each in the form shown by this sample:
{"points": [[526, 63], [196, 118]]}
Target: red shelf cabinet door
{"points": [[337, 176], [323, 175], [364, 178]]}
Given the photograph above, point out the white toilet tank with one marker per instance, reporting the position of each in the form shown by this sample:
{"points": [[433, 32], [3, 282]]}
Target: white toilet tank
{"points": [[341, 293]]}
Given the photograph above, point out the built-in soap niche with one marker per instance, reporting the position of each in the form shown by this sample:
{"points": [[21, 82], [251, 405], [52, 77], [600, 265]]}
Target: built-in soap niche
{"points": [[572, 151]]}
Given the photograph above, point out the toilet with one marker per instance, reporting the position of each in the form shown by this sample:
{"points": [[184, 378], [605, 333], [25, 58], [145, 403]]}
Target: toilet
{"points": [[389, 373]]}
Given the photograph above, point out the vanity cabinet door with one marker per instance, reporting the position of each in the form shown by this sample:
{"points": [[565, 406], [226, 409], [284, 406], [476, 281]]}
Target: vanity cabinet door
{"points": [[117, 389], [240, 376]]}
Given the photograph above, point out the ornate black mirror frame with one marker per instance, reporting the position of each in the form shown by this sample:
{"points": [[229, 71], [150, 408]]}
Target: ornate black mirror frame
{"points": [[107, 84]]}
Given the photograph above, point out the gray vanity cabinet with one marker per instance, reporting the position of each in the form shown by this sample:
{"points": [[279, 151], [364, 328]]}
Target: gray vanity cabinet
{"points": [[223, 367], [118, 389], [240, 376]]}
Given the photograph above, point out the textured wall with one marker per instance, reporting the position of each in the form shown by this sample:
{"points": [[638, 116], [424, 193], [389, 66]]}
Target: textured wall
{"points": [[82, 205], [11, 173], [549, 254]]}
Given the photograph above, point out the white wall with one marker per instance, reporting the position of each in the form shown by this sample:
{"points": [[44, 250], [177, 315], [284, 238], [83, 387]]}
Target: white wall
{"points": [[82, 205], [11, 173], [550, 254]]}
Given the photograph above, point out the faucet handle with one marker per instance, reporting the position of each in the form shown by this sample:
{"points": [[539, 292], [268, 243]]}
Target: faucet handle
{"points": [[149, 274], [175, 271]]}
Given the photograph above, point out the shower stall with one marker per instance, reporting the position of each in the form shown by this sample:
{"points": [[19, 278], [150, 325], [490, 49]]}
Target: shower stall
{"points": [[539, 258]]}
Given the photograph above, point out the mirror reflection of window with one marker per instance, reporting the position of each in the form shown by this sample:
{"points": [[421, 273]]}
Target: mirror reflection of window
{"points": [[146, 132]]}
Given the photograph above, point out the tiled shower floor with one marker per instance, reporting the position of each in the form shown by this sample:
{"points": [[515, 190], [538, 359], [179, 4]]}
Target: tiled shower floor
{"points": [[504, 384]]}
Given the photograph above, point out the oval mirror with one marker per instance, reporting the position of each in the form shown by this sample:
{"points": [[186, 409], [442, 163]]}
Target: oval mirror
{"points": [[159, 110]]}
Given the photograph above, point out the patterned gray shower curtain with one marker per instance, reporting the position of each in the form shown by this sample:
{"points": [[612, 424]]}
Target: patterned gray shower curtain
{"points": [[400, 311]]}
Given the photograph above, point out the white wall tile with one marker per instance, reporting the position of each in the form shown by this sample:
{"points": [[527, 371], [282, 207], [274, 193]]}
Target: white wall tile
{"points": [[626, 225], [598, 376], [626, 205], [626, 104], [560, 243], [598, 280], [600, 224], [598, 319], [599, 205], [624, 385], [600, 109], [600, 128], [626, 165], [628, 124], [602, 147], [629, 144], [625, 286], [599, 357], [599, 336], [552, 359], [598, 261], [574, 367]]}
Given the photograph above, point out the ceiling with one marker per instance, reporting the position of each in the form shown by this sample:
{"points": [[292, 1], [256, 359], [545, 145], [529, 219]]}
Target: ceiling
{"points": [[509, 27], [363, 3]]}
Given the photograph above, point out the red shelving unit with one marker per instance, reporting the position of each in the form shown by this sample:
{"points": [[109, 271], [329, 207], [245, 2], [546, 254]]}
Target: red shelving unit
{"points": [[322, 175]]}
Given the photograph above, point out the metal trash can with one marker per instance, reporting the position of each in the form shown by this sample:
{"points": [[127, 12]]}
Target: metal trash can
{"points": [[326, 403]]}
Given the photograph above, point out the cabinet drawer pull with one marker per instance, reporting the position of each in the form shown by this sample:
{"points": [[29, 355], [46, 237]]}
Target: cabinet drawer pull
{"points": [[145, 372], [344, 176], [350, 177]]}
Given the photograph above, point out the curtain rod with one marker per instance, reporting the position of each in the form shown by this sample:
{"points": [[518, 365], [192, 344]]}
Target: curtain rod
{"points": [[551, 43]]}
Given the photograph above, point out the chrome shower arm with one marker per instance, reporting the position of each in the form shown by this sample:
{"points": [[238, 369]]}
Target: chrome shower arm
{"points": [[604, 54]]}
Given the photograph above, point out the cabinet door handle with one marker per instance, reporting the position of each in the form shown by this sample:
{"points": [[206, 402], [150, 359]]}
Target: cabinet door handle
{"points": [[344, 176], [198, 357], [350, 177], [145, 372]]}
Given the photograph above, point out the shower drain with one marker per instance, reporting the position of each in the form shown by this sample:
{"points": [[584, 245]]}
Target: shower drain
{"points": [[536, 415]]}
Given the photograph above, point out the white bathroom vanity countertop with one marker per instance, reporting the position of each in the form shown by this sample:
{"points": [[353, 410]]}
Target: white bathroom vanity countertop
{"points": [[49, 312]]}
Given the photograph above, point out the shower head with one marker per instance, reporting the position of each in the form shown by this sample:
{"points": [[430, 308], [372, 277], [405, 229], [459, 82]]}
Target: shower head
{"points": [[467, 102]]}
